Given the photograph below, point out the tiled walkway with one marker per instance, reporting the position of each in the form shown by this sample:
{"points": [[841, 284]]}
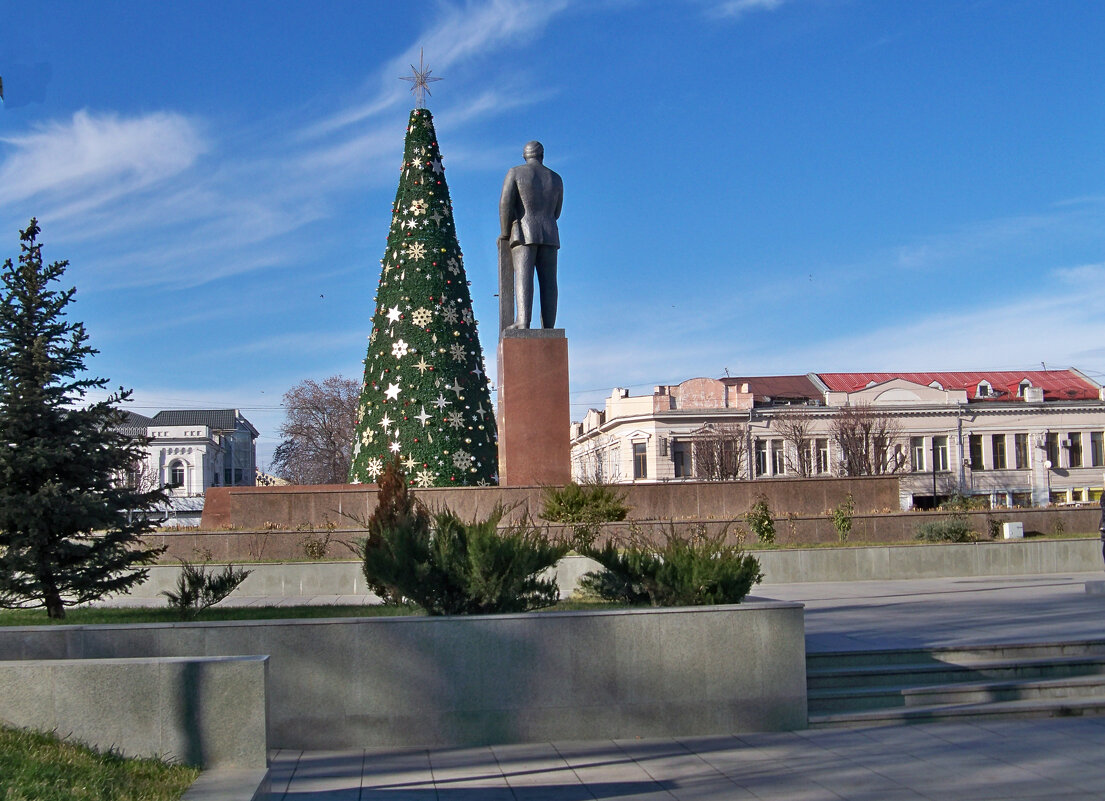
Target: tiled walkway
{"points": [[1049, 760]]}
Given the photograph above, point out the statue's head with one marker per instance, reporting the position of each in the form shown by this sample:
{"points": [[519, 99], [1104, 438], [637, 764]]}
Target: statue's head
{"points": [[533, 150]]}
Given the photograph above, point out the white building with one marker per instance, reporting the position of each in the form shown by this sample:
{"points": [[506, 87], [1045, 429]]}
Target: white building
{"points": [[1017, 438], [190, 450]]}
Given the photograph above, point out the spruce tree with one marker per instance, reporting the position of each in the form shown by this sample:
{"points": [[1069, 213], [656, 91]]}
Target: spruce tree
{"points": [[425, 397], [66, 536]]}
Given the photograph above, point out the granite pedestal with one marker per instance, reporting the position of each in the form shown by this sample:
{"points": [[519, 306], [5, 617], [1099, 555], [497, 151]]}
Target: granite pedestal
{"points": [[533, 414]]}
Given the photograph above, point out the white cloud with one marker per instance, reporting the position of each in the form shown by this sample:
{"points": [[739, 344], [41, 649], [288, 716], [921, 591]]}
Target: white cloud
{"points": [[1056, 321], [735, 9], [131, 191], [105, 155], [1083, 275], [460, 34], [1055, 328]]}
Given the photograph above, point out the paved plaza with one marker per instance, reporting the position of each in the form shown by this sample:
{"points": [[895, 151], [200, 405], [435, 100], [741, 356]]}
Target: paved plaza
{"points": [[1050, 759], [1054, 759]]}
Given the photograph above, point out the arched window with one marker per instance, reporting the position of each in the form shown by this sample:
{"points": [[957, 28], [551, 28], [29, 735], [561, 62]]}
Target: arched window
{"points": [[176, 474]]}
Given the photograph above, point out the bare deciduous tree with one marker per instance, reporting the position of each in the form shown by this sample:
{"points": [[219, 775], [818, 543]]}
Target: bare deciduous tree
{"points": [[797, 431], [719, 451], [868, 441], [317, 433]]}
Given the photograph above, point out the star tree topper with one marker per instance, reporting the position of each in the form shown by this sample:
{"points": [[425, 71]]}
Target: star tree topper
{"points": [[420, 80]]}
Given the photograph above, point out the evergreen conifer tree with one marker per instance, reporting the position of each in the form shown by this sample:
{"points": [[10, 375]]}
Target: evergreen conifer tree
{"points": [[425, 397], [65, 532]]}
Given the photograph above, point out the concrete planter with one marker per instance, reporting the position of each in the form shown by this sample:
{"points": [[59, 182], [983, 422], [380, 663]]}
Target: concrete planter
{"points": [[342, 683]]}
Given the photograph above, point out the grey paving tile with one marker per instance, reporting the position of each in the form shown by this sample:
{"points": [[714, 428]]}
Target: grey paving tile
{"points": [[537, 771]]}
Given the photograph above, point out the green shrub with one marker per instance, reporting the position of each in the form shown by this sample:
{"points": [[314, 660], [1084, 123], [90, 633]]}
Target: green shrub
{"points": [[842, 517], [684, 570], [583, 507], [759, 519], [953, 529], [196, 589], [965, 503], [619, 580], [497, 570], [448, 566]]}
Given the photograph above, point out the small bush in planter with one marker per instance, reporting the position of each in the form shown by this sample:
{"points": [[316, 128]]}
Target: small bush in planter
{"points": [[954, 529], [197, 589], [683, 570], [449, 566], [761, 522], [583, 507]]}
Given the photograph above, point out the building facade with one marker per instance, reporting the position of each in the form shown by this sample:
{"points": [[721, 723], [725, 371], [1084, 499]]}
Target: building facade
{"points": [[190, 450], [1017, 439]]}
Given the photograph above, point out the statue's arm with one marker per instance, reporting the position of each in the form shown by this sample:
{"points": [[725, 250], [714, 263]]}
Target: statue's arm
{"points": [[508, 201], [559, 196]]}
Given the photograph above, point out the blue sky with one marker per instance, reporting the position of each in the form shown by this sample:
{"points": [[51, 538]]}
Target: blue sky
{"points": [[763, 186]]}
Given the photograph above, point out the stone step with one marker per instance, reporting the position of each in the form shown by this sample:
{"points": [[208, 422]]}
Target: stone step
{"points": [[997, 692], [817, 661], [838, 701], [1075, 707], [905, 675]]}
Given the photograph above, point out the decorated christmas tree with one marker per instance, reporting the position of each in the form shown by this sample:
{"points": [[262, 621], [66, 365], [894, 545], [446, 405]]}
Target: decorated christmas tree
{"points": [[425, 397]]}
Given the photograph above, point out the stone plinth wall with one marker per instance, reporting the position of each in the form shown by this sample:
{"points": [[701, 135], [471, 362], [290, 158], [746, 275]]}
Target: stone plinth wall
{"points": [[950, 560], [276, 545], [205, 711], [288, 507], [304, 580], [457, 681]]}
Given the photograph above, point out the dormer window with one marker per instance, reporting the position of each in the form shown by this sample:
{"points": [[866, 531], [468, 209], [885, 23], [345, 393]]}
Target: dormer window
{"points": [[984, 390], [937, 385], [1024, 385]]}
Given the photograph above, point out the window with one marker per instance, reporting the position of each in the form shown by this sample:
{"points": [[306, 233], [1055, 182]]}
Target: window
{"points": [[761, 457], [640, 460], [997, 451], [1025, 384], [917, 453], [940, 453], [976, 452], [822, 462], [778, 460], [1075, 455], [1020, 449], [984, 389], [681, 458], [1053, 449], [1097, 449], [176, 474]]}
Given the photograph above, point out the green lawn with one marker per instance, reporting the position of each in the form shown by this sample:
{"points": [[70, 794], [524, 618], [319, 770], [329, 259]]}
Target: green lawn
{"points": [[40, 767], [162, 614]]}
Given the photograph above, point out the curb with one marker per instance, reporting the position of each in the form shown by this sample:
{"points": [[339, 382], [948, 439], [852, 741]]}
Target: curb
{"points": [[230, 784]]}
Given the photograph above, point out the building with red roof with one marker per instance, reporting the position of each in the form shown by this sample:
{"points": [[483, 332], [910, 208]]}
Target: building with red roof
{"points": [[1026, 438]]}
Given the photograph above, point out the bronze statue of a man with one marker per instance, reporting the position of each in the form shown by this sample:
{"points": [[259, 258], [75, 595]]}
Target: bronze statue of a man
{"points": [[528, 211]]}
